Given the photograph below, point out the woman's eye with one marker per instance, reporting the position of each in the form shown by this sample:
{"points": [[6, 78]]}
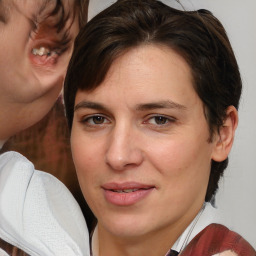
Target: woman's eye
{"points": [[160, 120], [98, 119], [95, 120]]}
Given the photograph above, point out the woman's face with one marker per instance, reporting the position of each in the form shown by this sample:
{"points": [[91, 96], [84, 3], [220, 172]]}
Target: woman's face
{"points": [[140, 145]]}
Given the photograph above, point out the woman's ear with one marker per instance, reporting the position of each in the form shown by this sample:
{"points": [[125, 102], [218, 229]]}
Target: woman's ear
{"points": [[224, 139]]}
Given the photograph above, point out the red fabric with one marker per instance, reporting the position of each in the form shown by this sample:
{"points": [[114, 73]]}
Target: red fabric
{"points": [[215, 239]]}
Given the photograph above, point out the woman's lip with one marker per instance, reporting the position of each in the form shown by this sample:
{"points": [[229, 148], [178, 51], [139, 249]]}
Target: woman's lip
{"points": [[126, 194], [126, 185]]}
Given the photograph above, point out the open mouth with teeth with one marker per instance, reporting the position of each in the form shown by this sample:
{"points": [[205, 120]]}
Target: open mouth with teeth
{"points": [[43, 55], [127, 190], [43, 51]]}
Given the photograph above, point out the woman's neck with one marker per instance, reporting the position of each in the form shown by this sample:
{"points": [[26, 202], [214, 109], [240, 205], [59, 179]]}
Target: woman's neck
{"points": [[156, 244]]}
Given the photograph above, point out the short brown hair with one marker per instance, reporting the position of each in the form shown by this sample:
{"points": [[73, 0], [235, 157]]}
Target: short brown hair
{"points": [[197, 36]]}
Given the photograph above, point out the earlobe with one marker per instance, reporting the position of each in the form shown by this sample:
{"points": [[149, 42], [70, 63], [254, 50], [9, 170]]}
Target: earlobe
{"points": [[225, 137]]}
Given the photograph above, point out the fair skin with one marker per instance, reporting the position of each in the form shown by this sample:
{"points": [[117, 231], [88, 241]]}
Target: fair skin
{"points": [[32, 60], [141, 150]]}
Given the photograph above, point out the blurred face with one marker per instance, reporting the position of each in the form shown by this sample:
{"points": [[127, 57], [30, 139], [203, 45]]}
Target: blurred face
{"points": [[34, 55], [139, 144]]}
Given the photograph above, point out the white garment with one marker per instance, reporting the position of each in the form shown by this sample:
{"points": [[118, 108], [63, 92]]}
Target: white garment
{"points": [[3, 253], [37, 212], [208, 216]]}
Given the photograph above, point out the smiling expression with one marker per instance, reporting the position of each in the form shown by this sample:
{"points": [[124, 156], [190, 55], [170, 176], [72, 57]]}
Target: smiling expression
{"points": [[140, 145]]}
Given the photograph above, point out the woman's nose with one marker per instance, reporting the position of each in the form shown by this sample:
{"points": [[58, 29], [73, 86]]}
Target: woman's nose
{"points": [[124, 150]]}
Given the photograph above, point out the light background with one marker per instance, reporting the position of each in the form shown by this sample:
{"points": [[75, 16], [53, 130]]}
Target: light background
{"points": [[236, 198]]}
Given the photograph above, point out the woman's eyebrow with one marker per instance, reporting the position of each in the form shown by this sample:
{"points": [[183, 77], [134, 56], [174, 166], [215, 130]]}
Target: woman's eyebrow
{"points": [[91, 105], [140, 107], [160, 104]]}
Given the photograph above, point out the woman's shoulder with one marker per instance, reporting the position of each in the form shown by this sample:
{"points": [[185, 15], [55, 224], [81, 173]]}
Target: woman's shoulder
{"points": [[216, 239]]}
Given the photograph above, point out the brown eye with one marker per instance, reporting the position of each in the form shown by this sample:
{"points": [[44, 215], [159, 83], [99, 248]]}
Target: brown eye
{"points": [[160, 120], [95, 120], [98, 119]]}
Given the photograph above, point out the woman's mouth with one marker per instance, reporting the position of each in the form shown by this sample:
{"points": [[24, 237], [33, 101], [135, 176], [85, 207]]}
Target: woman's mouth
{"points": [[126, 194]]}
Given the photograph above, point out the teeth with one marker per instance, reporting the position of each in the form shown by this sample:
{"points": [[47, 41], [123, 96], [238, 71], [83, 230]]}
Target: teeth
{"points": [[41, 51], [126, 190], [129, 190]]}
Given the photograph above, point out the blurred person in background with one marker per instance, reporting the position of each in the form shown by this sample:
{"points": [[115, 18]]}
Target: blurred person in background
{"points": [[36, 44]]}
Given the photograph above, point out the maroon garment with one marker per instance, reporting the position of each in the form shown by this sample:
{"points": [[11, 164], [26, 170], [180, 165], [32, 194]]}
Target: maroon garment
{"points": [[216, 238]]}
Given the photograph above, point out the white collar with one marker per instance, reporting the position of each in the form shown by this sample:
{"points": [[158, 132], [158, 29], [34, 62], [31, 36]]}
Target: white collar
{"points": [[95, 242], [207, 216]]}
